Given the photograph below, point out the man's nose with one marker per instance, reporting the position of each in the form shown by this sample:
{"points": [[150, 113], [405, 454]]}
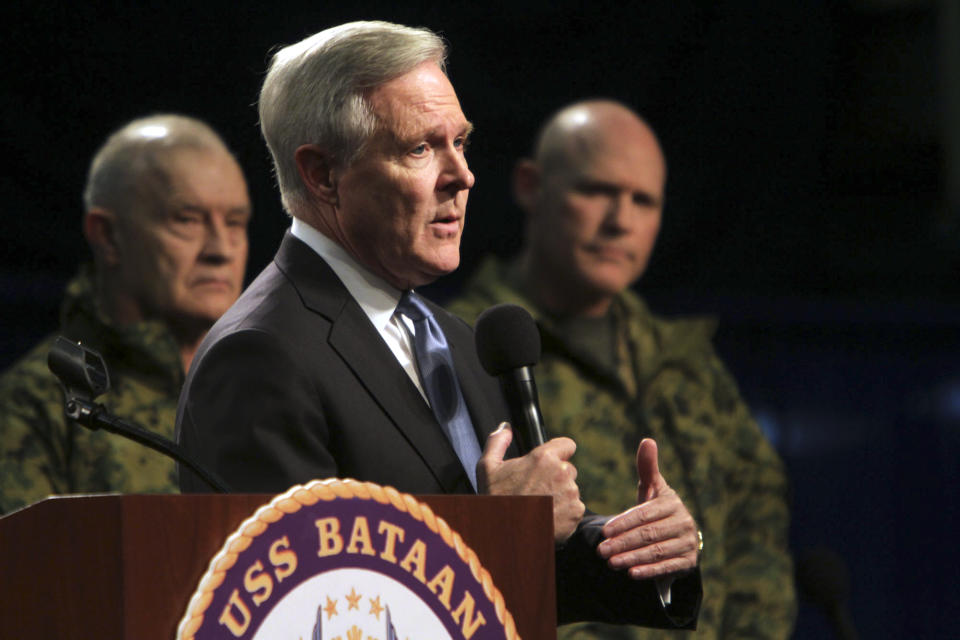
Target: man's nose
{"points": [[456, 173], [217, 244], [620, 211]]}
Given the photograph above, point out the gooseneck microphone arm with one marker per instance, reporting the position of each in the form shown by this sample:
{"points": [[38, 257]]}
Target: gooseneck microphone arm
{"points": [[95, 416], [83, 375]]}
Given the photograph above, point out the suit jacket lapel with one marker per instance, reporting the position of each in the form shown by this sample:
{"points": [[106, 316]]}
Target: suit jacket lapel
{"points": [[363, 350]]}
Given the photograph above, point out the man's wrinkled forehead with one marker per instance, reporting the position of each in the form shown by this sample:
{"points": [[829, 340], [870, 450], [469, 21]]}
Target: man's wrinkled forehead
{"points": [[418, 105], [164, 182]]}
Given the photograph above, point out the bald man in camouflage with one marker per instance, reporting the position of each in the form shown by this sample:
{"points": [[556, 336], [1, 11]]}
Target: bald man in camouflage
{"points": [[612, 372], [166, 213]]}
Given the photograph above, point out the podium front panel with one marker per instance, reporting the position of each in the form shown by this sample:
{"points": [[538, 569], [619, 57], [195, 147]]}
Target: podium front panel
{"points": [[115, 566]]}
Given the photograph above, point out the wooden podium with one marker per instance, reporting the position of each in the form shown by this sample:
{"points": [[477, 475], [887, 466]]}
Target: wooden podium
{"points": [[112, 566]]}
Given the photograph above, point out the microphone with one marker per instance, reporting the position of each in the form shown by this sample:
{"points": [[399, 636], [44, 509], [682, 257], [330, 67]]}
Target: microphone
{"points": [[508, 344], [823, 578]]}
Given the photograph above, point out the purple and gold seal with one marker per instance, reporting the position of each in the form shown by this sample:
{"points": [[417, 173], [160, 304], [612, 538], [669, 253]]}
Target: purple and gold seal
{"points": [[346, 560]]}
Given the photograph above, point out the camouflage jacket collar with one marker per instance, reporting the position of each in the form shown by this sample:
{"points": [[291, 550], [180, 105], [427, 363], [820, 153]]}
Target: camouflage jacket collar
{"points": [[673, 342]]}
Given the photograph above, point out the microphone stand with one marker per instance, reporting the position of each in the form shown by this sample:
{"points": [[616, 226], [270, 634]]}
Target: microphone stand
{"points": [[84, 375], [95, 416]]}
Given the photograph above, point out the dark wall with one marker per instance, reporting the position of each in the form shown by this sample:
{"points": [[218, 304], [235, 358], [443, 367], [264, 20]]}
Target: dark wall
{"points": [[803, 142], [804, 206]]}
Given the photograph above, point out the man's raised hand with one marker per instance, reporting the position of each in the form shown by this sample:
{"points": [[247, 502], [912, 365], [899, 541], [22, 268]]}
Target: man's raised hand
{"points": [[657, 537]]}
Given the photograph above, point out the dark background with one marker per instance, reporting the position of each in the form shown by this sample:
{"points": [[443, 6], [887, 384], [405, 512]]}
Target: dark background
{"points": [[812, 204]]}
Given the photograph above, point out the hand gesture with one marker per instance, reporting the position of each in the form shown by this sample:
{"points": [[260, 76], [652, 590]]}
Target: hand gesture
{"points": [[658, 536], [544, 471]]}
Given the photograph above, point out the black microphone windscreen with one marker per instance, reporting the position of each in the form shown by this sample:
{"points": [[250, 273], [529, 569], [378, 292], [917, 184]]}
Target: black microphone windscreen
{"points": [[507, 338]]}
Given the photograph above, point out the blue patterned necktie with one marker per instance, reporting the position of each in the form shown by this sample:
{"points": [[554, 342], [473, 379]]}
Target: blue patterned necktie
{"points": [[439, 379]]}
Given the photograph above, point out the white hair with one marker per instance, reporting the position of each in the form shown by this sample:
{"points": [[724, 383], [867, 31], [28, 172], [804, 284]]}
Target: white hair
{"points": [[314, 92], [136, 151]]}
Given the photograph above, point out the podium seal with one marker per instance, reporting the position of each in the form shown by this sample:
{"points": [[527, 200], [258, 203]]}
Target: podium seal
{"points": [[346, 560]]}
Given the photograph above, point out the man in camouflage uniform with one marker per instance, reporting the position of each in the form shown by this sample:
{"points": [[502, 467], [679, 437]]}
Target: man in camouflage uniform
{"points": [[612, 373], [166, 213]]}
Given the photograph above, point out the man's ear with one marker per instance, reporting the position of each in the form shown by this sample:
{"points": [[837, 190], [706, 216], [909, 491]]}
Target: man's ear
{"points": [[316, 168], [526, 184], [100, 230]]}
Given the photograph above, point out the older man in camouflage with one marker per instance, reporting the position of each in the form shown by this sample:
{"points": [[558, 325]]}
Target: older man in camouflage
{"points": [[166, 213], [613, 373]]}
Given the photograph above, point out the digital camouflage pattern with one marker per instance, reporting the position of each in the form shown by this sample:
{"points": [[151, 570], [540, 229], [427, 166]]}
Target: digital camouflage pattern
{"points": [[41, 453], [671, 387]]}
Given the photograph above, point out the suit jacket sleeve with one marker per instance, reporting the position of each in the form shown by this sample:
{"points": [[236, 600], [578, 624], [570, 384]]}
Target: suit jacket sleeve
{"points": [[588, 590]]}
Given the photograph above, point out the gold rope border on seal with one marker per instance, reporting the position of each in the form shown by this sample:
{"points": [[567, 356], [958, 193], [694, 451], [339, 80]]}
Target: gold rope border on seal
{"points": [[328, 490]]}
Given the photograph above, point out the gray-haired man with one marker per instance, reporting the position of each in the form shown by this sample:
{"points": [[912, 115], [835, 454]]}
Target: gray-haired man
{"points": [[313, 373], [166, 212]]}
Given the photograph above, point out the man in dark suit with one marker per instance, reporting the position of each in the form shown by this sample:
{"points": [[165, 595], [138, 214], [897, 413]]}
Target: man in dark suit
{"points": [[313, 373]]}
